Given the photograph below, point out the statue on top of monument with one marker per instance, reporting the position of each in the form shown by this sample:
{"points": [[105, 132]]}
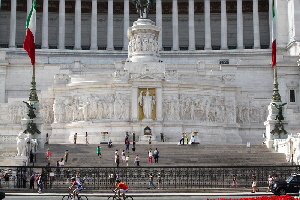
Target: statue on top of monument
{"points": [[279, 116], [31, 108], [142, 7]]}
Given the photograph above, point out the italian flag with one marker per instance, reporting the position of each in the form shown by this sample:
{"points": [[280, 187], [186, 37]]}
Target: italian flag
{"points": [[29, 44], [273, 34]]}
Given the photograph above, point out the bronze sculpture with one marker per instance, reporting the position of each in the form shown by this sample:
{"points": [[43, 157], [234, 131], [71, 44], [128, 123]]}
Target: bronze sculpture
{"points": [[279, 116], [142, 7]]}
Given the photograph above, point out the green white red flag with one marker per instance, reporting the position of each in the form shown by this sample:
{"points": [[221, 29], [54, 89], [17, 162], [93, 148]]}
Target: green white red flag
{"points": [[29, 44], [273, 34]]}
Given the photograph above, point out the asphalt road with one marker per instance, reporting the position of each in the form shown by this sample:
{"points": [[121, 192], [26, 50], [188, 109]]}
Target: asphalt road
{"points": [[164, 196], [139, 198]]}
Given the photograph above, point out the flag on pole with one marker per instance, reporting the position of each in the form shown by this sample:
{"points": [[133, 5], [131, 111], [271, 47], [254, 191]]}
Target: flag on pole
{"points": [[273, 34], [29, 44]]}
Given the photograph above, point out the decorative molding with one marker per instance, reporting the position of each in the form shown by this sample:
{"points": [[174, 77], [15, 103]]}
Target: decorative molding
{"points": [[86, 7]]}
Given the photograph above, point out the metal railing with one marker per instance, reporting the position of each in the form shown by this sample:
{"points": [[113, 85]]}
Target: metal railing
{"points": [[138, 177]]}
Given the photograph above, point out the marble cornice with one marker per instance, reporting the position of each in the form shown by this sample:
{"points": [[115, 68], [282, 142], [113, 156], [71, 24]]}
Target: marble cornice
{"points": [[86, 6]]}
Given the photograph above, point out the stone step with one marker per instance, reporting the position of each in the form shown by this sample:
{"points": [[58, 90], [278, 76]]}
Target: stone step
{"points": [[171, 154]]}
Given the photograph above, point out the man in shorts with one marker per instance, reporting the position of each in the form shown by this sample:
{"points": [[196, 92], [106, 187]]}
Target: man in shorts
{"points": [[77, 185], [121, 188]]}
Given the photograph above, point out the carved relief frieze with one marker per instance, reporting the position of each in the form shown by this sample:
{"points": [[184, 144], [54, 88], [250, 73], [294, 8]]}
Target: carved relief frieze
{"points": [[8, 139], [62, 79], [92, 107]]}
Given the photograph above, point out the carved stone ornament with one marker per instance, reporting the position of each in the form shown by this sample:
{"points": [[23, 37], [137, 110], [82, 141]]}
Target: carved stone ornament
{"points": [[143, 41]]}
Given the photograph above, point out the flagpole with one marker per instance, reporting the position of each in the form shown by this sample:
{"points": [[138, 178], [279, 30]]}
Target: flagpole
{"points": [[276, 96], [33, 96]]}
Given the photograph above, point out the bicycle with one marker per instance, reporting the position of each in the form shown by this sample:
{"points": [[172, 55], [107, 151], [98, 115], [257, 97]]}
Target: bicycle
{"points": [[78, 197], [115, 197]]}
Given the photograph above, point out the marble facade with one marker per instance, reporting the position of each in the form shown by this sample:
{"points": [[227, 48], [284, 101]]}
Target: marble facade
{"points": [[223, 95]]}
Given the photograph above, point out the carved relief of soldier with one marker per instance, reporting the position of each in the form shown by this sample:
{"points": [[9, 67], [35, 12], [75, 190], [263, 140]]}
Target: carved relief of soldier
{"points": [[175, 107]]}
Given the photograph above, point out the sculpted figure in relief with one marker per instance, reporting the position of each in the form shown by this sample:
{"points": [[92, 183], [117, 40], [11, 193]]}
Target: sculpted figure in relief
{"points": [[147, 103], [21, 144]]}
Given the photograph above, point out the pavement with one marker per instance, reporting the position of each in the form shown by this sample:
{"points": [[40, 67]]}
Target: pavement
{"points": [[217, 192]]}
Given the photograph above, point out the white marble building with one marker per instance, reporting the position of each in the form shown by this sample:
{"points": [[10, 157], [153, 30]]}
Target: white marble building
{"points": [[212, 74]]}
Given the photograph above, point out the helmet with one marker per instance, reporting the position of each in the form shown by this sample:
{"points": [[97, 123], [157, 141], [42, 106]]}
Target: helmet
{"points": [[73, 178]]}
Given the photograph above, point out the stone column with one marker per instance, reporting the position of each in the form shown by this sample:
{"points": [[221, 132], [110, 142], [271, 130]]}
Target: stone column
{"points": [[110, 26], [256, 25], [240, 30], [175, 26], [94, 43], [29, 5], [191, 26], [77, 45], [159, 22], [126, 25], [296, 18], [45, 26], [159, 115], [207, 24], [134, 103], [13, 19], [62, 22], [224, 45], [270, 21]]}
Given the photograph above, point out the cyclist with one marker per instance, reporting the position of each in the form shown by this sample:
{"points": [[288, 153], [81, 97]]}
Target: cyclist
{"points": [[121, 188], [77, 185]]}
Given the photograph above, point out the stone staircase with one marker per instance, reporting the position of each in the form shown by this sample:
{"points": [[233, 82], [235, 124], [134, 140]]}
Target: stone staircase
{"points": [[171, 154]]}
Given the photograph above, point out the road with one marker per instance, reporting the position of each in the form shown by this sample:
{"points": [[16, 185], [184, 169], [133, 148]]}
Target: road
{"points": [[140, 198], [164, 196]]}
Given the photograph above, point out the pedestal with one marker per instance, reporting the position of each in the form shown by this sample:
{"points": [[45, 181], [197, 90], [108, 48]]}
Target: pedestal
{"points": [[270, 126], [143, 41], [104, 138]]}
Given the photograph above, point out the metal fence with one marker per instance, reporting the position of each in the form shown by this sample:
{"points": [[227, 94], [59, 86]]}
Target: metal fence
{"points": [[138, 177]]}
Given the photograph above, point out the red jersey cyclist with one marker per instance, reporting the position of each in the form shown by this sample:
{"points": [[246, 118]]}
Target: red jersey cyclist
{"points": [[121, 188], [77, 185]]}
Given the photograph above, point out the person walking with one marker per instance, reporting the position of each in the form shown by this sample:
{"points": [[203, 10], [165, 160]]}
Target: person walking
{"points": [[24, 179], [234, 182], [155, 155], [123, 156], [75, 138], [86, 138], [127, 144], [127, 160], [254, 184], [162, 137], [118, 160], [66, 156], [137, 160], [150, 155], [99, 151], [111, 178], [116, 155], [31, 181], [151, 184], [48, 154], [6, 179], [159, 181], [270, 181], [133, 147], [39, 182]]}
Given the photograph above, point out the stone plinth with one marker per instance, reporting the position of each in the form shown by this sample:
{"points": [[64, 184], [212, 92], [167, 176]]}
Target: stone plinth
{"points": [[145, 138], [143, 41], [270, 125]]}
